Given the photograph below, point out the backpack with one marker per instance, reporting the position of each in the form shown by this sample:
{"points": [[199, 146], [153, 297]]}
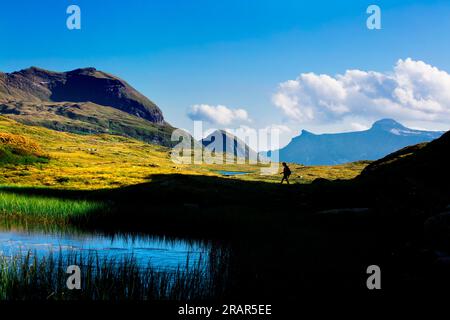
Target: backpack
{"points": [[287, 171]]}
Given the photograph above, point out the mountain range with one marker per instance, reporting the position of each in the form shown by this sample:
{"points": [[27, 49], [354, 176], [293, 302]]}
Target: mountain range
{"points": [[81, 101], [91, 101], [384, 137]]}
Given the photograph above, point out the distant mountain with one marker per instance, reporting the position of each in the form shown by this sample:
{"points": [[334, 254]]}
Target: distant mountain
{"points": [[385, 136], [81, 101], [224, 142]]}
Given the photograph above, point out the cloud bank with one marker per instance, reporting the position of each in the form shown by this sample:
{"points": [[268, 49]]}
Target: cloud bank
{"points": [[413, 91], [218, 115]]}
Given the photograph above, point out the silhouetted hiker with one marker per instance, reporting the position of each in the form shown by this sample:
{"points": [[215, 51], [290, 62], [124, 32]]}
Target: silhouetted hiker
{"points": [[286, 173]]}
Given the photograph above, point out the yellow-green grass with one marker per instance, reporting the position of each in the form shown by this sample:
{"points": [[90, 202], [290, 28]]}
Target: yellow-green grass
{"points": [[86, 161], [106, 161]]}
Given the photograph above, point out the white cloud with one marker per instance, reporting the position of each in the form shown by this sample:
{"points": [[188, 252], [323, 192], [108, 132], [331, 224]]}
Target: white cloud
{"points": [[358, 126], [413, 91], [219, 115]]}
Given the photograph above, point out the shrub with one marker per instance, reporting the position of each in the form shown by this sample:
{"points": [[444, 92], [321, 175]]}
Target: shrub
{"points": [[16, 149]]}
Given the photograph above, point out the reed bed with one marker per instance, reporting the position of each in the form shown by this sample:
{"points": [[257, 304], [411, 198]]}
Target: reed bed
{"points": [[29, 277]]}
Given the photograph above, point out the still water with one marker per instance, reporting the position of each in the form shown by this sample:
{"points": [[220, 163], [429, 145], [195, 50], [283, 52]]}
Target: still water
{"points": [[159, 252], [232, 173]]}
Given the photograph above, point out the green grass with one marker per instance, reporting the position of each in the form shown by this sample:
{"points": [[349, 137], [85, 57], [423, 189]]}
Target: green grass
{"points": [[44, 209], [27, 277]]}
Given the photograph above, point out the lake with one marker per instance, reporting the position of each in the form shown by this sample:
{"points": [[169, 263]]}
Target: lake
{"points": [[160, 252], [231, 173]]}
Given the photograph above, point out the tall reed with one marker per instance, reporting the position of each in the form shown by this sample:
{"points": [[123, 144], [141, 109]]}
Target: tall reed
{"points": [[28, 277], [45, 209]]}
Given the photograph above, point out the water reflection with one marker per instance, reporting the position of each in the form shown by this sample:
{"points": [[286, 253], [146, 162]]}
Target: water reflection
{"points": [[160, 252]]}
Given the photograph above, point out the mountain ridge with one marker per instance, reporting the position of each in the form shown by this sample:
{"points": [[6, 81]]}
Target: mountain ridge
{"points": [[83, 100], [384, 136], [80, 85]]}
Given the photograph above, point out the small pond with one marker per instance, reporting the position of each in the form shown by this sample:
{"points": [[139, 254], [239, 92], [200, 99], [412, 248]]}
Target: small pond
{"points": [[232, 173], [160, 252]]}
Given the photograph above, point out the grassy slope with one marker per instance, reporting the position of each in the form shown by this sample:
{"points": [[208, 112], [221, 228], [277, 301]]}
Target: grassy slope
{"points": [[87, 118], [107, 161], [85, 161]]}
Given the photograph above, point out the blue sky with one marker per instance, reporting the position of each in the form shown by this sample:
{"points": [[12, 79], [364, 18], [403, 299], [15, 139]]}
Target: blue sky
{"points": [[233, 53]]}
